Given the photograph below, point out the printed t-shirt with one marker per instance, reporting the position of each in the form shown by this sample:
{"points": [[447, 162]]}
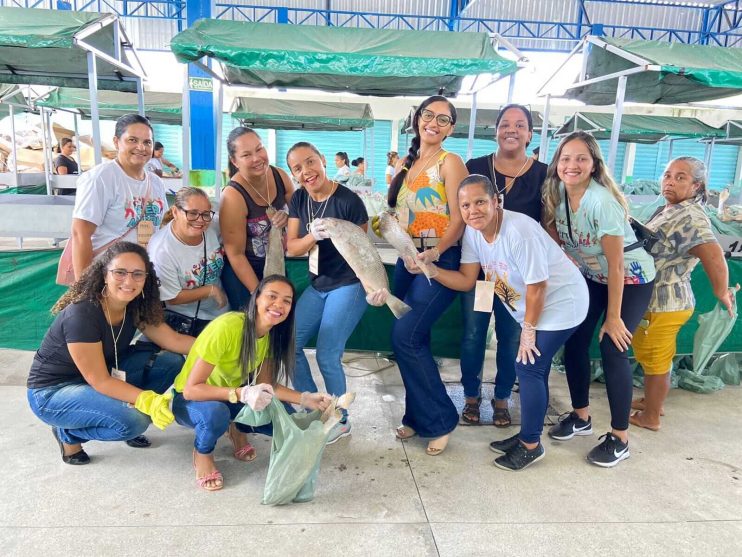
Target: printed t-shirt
{"points": [[80, 322], [523, 254], [183, 267], [598, 215], [219, 344], [343, 204], [115, 202], [680, 228]]}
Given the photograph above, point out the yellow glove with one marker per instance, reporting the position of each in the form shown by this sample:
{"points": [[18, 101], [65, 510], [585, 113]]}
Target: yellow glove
{"points": [[376, 225], [156, 407]]}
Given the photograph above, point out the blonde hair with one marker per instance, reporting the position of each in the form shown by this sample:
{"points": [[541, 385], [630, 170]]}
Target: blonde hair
{"points": [[550, 192], [181, 197]]}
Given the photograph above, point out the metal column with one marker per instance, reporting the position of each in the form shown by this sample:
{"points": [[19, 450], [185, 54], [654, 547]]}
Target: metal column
{"points": [[472, 126], [616, 126], [94, 113]]}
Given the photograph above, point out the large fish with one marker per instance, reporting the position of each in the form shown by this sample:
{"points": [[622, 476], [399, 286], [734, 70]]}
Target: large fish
{"points": [[356, 248], [393, 233], [274, 256]]}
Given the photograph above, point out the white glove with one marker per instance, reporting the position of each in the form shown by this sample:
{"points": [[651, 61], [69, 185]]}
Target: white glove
{"points": [[219, 296], [315, 401], [377, 297], [257, 397], [318, 230]]}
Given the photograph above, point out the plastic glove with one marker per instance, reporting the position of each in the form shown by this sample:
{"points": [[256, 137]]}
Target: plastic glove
{"points": [[376, 225], [257, 397], [315, 401], [429, 255], [318, 230], [156, 407], [377, 297], [280, 218], [411, 265], [527, 347], [219, 296]]}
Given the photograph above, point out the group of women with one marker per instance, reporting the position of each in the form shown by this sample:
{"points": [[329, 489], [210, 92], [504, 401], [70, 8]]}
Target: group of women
{"points": [[548, 250]]}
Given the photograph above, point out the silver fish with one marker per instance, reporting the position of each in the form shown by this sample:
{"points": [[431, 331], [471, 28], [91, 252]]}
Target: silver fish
{"points": [[356, 248], [274, 256], [393, 233]]}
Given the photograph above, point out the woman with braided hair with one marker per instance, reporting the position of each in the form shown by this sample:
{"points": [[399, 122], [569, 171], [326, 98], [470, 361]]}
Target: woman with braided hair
{"points": [[86, 366]]}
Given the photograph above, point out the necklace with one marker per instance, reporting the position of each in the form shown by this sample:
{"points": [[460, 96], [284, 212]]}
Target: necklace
{"points": [[508, 186], [267, 189], [115, 337], [311, 215], [424, 167]]}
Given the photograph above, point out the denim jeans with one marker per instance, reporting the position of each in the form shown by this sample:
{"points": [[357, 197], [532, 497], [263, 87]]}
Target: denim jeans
{"points": [[473, 344], [237, 294], [210, 420], [83, 414], [331, 316], [534, 383], [428, 408]]}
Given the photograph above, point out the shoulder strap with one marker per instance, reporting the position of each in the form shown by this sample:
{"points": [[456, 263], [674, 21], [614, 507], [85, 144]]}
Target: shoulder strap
{"points": [[203, 280], [569, 219]]}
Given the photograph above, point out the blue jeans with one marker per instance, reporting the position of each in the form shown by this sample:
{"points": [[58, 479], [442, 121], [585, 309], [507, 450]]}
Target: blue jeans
{"points": [[473, 344], [534, 383], [210, 420], [237, 294], [83, 414], [331, 317], [428, 408]]}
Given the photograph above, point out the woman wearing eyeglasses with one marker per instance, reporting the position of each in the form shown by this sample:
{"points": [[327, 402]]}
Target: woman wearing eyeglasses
{"points": [[86, 380], [424, 194], [189, 259]]}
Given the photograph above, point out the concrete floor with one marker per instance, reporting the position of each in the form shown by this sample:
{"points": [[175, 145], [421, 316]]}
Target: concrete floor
{"points": [[680, 493]]}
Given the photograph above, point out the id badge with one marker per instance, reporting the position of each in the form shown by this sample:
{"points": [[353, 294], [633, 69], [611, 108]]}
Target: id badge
{"points": [[145, 229], [119, 374], [484, 296], [314, 260]]}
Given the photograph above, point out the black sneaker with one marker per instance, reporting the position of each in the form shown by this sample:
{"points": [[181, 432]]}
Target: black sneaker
{"points": [[610, 452], [505, 445], [519, 457], [570, 424]]}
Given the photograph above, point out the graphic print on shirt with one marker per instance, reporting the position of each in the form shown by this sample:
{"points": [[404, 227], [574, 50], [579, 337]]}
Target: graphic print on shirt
{"points": [[426, 203], [212, 269], [498, 272], [134, 208], [258, 229]]}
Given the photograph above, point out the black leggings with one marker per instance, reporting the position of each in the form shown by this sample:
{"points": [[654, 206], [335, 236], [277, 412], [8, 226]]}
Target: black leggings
{"points": [[618, 379]]}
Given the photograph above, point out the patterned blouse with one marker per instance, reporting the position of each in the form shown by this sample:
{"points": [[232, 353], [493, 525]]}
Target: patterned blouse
{"points": [[422, 205], [680, 228]]}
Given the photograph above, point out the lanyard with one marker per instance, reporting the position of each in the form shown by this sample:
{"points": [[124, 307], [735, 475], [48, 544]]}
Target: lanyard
{"points": [[115, 337]]}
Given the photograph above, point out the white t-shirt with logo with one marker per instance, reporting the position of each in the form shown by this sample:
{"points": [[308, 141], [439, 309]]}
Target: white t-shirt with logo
{"points": [[115, 202], [523, 254], [182, 267]]}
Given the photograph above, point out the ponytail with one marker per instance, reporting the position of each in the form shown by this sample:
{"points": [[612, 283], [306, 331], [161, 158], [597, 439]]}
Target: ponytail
{"points": [[396, 184]]}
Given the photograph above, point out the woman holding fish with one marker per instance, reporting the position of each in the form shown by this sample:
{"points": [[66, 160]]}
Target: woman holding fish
{"points": [[333, 304], [421, 189], [252, 204]]}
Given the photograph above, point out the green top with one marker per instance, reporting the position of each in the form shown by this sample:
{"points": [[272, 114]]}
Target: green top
{"points": [[219, 344], [382, 62]]}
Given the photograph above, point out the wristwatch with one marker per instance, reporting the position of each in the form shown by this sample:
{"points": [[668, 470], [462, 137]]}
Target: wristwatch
{"points": [[232, 396]]}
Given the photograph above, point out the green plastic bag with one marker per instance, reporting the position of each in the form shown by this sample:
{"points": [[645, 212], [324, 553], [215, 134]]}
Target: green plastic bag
{"points": [[713, 328], [296, 452], [726, 368]]}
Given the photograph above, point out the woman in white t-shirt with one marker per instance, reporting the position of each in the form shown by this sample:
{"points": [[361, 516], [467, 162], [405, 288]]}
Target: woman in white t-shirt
{"points": [[392, 157], [118, 200], [189, 258], [542, 289]]}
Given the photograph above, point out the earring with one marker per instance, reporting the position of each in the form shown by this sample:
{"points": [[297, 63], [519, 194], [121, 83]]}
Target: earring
{"points": [[103, 292], [142, 293]]}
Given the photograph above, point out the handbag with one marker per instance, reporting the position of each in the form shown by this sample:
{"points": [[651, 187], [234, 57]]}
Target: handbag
{"points": [[181, 323]]}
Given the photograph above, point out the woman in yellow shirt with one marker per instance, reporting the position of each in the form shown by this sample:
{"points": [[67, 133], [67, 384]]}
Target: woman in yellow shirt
{"points": [[240, 358]]}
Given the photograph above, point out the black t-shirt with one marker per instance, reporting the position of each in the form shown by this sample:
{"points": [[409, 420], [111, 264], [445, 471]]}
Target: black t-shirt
{"points": [[80, 322], [525, 195], [343, 204], [69, 164]]}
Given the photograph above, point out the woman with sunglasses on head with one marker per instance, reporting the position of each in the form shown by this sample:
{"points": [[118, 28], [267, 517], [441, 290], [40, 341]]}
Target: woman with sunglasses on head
{"points": [[424, 194], [587, 214], [254, 201], [189, 259], [118, 200], [86, 381], [517, 179]]}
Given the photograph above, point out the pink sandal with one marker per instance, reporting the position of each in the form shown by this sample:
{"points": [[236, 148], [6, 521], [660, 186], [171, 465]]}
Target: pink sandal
{"points": [[245, 453], [216, 476]]}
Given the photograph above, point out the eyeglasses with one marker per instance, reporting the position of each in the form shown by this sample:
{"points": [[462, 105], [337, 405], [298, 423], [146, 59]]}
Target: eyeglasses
{"points": [[443, 120], [120, 274], [192, 215]]}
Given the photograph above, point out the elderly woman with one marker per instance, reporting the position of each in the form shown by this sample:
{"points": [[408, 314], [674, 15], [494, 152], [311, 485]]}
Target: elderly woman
{"points": [[685, 238]]}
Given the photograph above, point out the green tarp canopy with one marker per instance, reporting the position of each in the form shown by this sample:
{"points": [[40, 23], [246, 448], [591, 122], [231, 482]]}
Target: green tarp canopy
{"points": [[732, 133], [484, 127], [381, 62], [280, 114], [16, 99], [638, 128], [686, 73], [160, 108], [38, 47]]}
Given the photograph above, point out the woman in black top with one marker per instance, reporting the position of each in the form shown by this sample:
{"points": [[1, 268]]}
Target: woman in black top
{"points": [[254, 200], [518, 179], [64, 163], [86, 366]]}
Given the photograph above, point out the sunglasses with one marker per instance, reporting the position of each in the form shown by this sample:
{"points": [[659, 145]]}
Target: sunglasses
{"points": [[120, 274], [443, 120]]}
